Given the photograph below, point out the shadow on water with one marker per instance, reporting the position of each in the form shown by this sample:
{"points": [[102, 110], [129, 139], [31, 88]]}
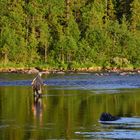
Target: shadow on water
{"points": [[69, 111]]}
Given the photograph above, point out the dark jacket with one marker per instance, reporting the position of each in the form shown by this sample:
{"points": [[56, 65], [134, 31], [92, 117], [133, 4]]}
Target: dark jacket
{"points": [[37, 83]]}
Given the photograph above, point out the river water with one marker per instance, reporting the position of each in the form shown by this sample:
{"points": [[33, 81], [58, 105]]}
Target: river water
{"points": [[70, 107]]}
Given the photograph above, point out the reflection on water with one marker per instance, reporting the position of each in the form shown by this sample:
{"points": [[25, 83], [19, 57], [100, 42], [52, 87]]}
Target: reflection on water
{"points": [[68, 113], [37, 109]]}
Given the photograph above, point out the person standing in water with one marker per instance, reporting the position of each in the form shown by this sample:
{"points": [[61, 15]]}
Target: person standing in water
{"points": [[37, 85]]}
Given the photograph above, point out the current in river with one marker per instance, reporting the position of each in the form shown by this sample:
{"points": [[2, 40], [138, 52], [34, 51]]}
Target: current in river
{"points": [[70, 107]]}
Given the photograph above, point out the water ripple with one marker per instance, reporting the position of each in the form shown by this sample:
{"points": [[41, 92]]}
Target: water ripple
{"points": [[84, 82], [114, 134]]}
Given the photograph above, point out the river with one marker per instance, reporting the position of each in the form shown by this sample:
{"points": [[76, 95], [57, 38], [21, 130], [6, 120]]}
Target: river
{"points": [[70, 107]]}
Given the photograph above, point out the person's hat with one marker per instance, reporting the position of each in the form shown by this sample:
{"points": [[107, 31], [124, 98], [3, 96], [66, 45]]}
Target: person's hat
{"points": [[40, 73]]}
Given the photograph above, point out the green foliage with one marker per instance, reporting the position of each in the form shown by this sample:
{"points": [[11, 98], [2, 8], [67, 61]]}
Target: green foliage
{"points": [[73, 65], [121, 62], [135, 17], [70, 34]]}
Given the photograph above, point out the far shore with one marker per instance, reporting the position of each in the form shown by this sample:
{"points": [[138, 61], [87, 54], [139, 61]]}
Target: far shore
{"points": [[61, 71]]}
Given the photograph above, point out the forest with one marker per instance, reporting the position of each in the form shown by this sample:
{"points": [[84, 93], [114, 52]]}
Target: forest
{"points": [[70, 34]]}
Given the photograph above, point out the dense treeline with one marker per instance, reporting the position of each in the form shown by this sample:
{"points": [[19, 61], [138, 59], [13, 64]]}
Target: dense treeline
{"points": [[70, 33]]}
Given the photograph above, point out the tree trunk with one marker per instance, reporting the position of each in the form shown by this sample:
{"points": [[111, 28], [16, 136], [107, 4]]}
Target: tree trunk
{"points": [[67, 10], [46, 53]]}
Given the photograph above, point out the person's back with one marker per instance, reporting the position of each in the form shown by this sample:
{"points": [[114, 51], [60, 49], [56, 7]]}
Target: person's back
{"points": [[37, 84]]}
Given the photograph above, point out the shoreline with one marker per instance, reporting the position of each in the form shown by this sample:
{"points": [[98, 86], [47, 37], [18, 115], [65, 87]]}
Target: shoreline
{"points": [[34, 70]]}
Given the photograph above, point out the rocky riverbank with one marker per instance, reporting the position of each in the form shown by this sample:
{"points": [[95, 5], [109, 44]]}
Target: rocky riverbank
{"points": [[123, 71]]}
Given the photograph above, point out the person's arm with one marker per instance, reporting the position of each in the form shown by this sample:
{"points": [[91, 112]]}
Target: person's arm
{"points": [[33, 81]]}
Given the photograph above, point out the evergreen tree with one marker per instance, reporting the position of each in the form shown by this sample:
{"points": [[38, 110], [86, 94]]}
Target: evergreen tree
{"points": [[135, 16], [110, 10], [66, 33]]}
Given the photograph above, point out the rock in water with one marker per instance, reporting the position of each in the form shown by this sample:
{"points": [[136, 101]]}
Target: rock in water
{"points": [[108, 117]]}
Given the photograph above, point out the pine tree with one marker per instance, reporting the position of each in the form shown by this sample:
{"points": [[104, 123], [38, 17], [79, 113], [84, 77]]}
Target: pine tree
{"points": [[110, 12], [44, 41], [135, 16], [12, 31]]}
